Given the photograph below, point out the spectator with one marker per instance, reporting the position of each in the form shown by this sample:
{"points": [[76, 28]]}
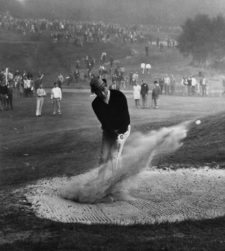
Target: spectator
{"points": [[189, 86], [135, 78], [143, 67], [130, 78], [38, 81], [111, 61], [113, 86], [161, 84], [146, 50], [102, 71], [60, 80], [27, 87], [137, 94], [56, 97], [76, 75], [184, 83], [172, 85], [144, 93], [10, 95], [103, 57], [4, 95], [193, 86], [155, 95], [40, 92], [167, 84], [148, 68], [203, 86]]}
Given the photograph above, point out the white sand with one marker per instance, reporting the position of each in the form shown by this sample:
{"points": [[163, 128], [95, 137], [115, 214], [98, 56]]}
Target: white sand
{"points": [[153, 196]]}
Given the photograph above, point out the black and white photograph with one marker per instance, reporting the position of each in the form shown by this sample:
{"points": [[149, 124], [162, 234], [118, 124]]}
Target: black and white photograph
{"points": [[112, 125]]}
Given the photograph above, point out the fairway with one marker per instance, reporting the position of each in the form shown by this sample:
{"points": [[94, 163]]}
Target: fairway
{"points": [[67, 145]]}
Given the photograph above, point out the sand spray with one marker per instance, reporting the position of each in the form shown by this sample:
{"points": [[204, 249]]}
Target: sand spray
{"points": [[106, 181]]}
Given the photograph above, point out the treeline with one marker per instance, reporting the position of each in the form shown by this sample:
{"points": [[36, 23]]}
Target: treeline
{"points": [[203, 38]]}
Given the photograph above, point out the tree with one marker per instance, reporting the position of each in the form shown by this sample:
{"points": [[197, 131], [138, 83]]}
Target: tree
{"points": [[203, 38]]}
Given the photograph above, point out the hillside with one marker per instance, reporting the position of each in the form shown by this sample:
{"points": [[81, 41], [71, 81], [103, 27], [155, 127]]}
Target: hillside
{"points": [[161, 12], [18, 52]]}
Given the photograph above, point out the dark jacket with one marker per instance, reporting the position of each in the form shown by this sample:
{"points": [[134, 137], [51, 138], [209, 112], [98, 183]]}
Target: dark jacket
{"points": [[144, 89], [156, 91], [113, 116]]}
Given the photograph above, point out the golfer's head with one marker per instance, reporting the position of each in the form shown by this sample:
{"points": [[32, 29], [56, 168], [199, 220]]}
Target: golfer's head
{"points": [[99, 87]]}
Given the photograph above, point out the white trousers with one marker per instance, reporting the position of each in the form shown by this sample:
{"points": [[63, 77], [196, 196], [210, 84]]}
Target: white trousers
{"points": [[56, 105], [111, 152], [40, 102]]}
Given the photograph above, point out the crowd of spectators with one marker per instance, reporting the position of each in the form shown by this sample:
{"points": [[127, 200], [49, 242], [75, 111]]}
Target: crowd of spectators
{"points": [[70, 30]]}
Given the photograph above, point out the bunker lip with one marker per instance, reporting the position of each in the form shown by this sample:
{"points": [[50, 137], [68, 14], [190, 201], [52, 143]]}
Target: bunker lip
{"points": [[159, 196]]}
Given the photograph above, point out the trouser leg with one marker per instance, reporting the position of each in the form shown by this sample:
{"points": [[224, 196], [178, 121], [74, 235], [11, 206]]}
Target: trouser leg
{"points": [[37, 107], [111, 150], [54, 106], [107, 145], [58, 106], [41, 105]]}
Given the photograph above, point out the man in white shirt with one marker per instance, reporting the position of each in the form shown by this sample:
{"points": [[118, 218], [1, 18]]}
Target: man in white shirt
{"points": [[56, 97], [41, 93], [143, 67], [148, 68], [27, 86], [193, 85]]}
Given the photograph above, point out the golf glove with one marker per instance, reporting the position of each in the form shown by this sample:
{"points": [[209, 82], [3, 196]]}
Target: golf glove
{"points": [[121, 138]]}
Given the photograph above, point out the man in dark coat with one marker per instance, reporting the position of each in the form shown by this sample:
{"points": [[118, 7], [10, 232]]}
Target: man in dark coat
{"points": [[111, 109], [144, 93]]}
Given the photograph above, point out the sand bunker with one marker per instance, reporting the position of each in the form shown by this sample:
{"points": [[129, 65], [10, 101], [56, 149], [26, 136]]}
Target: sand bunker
{"points": [[158, 196], [110, 179]]}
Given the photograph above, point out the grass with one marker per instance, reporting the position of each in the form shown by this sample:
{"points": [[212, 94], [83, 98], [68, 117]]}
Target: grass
{"points": [[42, 55], [22, 53], [33, 148]]}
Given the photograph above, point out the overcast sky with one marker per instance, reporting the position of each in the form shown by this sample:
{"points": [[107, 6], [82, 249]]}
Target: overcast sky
{"points": [[125, 11]]}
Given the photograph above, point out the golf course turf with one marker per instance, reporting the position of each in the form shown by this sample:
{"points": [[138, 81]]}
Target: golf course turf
{"points": [[35, 148]]}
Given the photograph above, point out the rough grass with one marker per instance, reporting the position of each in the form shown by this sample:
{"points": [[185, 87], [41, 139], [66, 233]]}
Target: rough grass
{"points": [[42, 55], [32, 148]]}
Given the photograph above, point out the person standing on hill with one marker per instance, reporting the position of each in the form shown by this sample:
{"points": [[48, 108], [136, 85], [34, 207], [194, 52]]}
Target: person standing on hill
{"points": [[143, 66], [56, 97], [144, 93], [41, 93], [146, 50], [111, 109], [148, 68]]}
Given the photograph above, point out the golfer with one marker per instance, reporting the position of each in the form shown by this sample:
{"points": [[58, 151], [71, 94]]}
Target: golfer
{"points": [[111, 109]]}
